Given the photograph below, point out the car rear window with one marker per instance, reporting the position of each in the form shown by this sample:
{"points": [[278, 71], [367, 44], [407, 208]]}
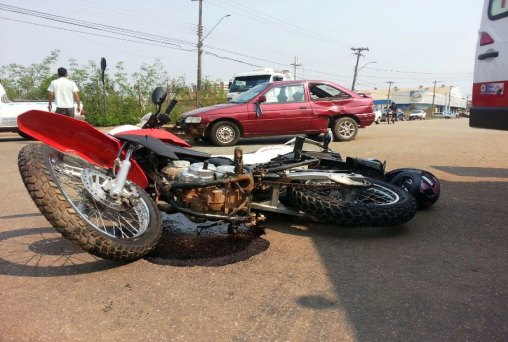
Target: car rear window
{"points": [[325, 92], [498, 9]]}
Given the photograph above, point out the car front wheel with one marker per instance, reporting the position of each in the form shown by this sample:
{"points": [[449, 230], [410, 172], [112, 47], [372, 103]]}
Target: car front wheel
{"points": [[345, 129], [224, 133]]}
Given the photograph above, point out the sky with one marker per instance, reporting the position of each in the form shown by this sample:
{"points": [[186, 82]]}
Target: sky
{"points": [[411, 43]]}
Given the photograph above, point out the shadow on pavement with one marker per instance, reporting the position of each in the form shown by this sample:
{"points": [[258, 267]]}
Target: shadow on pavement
{"points": [[474, 171], [43, 252], [271, 140], [208, 250], [14, 138], [442, 276], [186, 243]]}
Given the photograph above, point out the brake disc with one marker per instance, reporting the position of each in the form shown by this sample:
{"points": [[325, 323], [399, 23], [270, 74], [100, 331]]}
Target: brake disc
{"points": [[93, 180]]}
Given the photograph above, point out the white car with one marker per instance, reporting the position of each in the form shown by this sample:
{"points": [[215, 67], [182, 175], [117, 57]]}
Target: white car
{"points": [[10, 110], [417, 114]]}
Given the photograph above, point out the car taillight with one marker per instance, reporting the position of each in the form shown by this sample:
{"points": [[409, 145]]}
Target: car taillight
{"points": [[485, 39]]}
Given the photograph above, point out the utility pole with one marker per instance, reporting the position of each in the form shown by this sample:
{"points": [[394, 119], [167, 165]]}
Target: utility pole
{"points": [[200, 48], [389, 88], [358, 54], [200, 52], [434, 96], [295, 64]]}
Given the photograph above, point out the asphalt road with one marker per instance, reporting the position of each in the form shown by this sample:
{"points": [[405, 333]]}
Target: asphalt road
{"points": [[443, 276]]}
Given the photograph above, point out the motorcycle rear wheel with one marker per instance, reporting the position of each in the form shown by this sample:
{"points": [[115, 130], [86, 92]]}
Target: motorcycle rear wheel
{"points": [[382, 204], [71, 200]]}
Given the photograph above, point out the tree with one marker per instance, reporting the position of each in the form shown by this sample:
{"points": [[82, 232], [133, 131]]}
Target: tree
{"points": [[30, 83]]}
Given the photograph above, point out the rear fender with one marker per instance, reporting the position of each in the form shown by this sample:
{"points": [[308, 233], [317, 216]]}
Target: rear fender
{"points": [[76, 137]]}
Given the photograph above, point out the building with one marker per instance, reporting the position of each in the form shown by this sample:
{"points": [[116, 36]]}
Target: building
{"points": [[443, 98]]}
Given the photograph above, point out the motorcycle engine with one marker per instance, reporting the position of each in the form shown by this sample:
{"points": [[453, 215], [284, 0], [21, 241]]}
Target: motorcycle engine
{"points": [[215, 199]]}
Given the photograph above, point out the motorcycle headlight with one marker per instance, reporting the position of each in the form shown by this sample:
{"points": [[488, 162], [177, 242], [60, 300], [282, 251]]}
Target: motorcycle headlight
{"points": [[193, 119]]}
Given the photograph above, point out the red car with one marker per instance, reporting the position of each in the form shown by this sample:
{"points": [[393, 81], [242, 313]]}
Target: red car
{"points": [[282, 108]]}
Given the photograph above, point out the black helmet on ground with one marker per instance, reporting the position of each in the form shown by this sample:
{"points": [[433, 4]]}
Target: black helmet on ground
{"points": [[423, 185]]}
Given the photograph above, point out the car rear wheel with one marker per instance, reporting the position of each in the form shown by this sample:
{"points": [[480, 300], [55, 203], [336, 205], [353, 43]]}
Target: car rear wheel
{"points": [[224, 133], [345, 129]]}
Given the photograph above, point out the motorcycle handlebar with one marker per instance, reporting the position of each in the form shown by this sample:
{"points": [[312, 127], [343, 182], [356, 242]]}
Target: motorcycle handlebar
{"points": [[158, 119], [170, 107]]}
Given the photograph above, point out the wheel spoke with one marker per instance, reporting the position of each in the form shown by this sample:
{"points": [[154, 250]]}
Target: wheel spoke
{"points": [[95, 206]]}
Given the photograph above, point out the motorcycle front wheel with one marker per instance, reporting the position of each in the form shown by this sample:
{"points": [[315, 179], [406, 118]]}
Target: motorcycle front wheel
{"points": [[381, 204], [67, 190]]}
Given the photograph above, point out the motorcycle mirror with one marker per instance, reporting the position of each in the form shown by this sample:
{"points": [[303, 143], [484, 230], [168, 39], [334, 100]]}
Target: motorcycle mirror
{"points": [[159, 96], [103, 68]]}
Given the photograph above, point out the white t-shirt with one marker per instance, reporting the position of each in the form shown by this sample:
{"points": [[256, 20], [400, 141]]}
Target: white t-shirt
{"points": [[62, 89]]}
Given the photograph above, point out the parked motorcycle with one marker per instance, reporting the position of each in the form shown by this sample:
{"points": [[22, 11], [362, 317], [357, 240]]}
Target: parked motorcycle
{"points": [[104, 193]]}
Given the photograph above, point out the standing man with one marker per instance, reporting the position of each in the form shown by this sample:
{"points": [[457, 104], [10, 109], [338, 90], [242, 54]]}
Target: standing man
{"points": [[64, 91]]}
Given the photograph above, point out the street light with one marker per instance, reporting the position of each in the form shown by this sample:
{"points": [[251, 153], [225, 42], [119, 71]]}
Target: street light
{"points": [[214, 26], [366, 65], [200, 48], [356, 74]]}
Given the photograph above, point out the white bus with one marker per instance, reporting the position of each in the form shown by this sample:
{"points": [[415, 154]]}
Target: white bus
{"points": [[489, 107]]}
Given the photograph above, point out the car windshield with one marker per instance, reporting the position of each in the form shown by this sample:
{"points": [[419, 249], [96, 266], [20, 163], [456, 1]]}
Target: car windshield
{"points": [[250, 94], [241, 84], [417, 111]]}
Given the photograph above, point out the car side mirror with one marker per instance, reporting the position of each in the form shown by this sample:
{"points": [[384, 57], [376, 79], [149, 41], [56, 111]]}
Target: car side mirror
{"points": [[257, 104]]}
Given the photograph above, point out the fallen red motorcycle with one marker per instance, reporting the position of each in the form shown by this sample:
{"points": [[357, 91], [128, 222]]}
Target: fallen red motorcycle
{"points": [[104, 192]]}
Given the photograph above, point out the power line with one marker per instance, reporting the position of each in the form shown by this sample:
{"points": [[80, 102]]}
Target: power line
{"points": [[260, 17], [130, 33], [122, 34], [130, 40], [423, 73], [99, 35], [95, 26], [119, 31]]}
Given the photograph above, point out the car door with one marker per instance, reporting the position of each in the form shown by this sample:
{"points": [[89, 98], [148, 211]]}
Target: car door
{"points": [[286, 110]]}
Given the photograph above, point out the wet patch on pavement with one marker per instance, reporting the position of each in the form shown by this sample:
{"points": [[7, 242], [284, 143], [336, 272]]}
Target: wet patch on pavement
{"points": [[184, 243]]}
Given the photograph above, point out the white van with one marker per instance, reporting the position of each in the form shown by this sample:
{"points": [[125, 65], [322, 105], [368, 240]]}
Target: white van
{"points": [[246, 80], [489, 108]]}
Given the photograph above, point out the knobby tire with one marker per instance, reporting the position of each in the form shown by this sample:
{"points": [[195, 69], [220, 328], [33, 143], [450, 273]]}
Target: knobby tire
{"points": [[331, 208], [38, 174]]}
